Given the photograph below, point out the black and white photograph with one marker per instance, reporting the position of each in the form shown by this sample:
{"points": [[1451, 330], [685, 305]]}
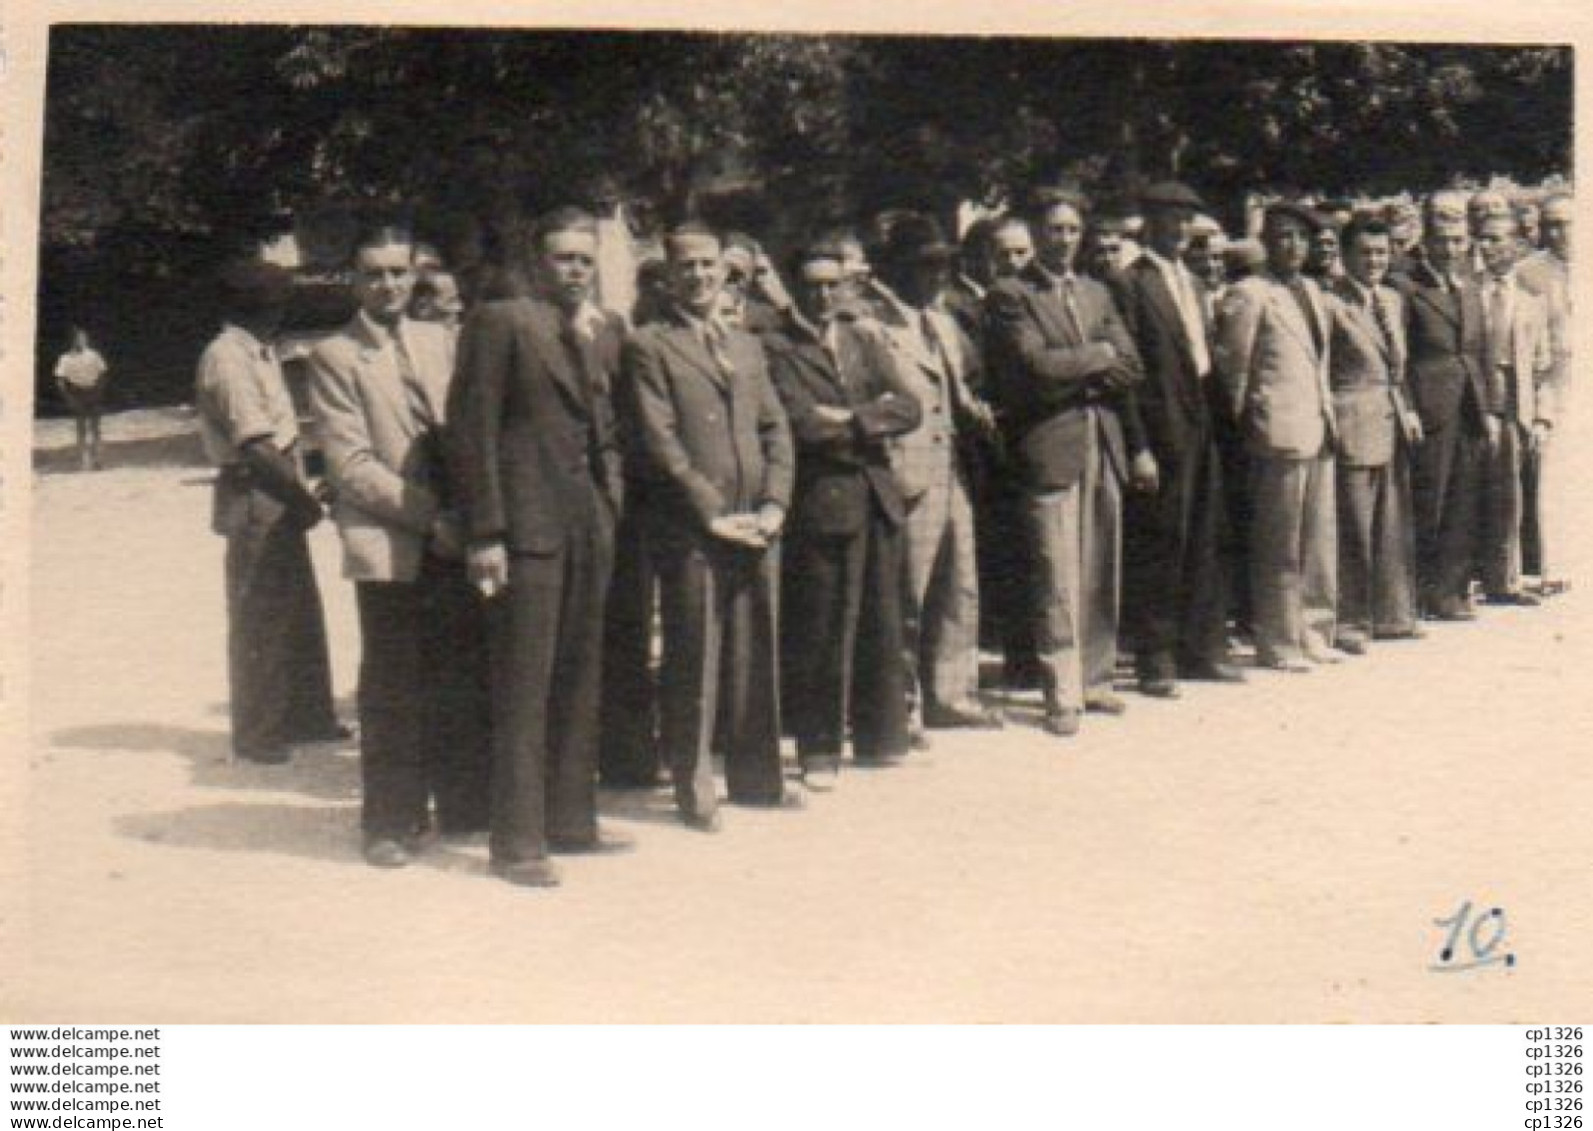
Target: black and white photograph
{"points": [[523, 524]]}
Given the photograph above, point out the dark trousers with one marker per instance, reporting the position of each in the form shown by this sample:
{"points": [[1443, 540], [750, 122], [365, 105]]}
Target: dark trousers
{"points": [[1377, 550], [1006, 566], [1175, 598], [843, 643], [279, 675], [1446, 487], [628, 746], [546, 636], [423, 703], [721, 669], [1235, 460], [1504, 511]]}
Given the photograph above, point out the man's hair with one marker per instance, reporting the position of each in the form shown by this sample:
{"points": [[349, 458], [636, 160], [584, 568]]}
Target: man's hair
{"points": [[815, 250], [1509, 218], [384, 234], [1007, 220], [1043, 199], [1362, 226], [690, 230], [567, 219]]}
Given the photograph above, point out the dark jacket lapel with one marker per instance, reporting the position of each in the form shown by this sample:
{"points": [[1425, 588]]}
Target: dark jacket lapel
{"points": [[548, 332]]}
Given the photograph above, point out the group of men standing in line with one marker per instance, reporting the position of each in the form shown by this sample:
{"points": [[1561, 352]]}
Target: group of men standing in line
{"points": [[792, 485]]}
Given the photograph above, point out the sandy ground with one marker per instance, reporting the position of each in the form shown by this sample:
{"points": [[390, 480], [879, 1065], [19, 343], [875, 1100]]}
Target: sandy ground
{"points": [[1274, 852]]}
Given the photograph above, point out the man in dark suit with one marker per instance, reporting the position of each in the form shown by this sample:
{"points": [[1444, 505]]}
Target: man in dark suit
{"points": [[1377, 430], [531, 443], [1063, 370], [1176, 584], [842, 634], [716, 453], [1461, 412]]}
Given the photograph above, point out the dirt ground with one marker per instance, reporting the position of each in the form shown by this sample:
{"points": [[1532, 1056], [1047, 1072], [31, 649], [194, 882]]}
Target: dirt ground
{"points": [[1273, 852]]}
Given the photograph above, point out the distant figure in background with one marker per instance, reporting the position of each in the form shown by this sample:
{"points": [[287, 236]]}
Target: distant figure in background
{"points": [[1325, 261], [1105, 255], [1530, 217], [277, 666], [80, 377], [436, 299]]}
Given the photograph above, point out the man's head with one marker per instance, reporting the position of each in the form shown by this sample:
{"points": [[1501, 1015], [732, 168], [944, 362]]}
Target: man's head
{"points": [[1170, 210], [1286, 232], [973, 256], [1557, 214], [916, 259], [1204, 257], [1011, 247], [696, 268], [566, 257], [741, 263], [1483, 206], [821, 285], [254, 294], [1368, 250], [436, 297], [1056, 222], [384, 272], [1323, 260], [1530, 217], [1404, 224], [1107, 236], [1444, 232], [1499, 241]]}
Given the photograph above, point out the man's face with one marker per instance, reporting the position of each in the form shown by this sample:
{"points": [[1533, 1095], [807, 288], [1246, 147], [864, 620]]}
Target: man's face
{"points": [[1446, 244], [696, 271], [1204, 260], [1557, 233], [568, 263], [925, 280], [855, 266], [1061, 232], [739, 267], [821, 287], [1367, 259], [443, 304], [1288, 242], [1106, 252], [1011, 250], [1167, 230], [1324, 250], [1498, 243], [384, 276]]}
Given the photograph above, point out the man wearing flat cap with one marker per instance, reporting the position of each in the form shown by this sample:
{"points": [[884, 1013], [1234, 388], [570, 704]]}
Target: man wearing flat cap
{"points": [[715, 453], [1272, 355], [1461, 406], [941, 597], [1175, 579], [277, 666]]}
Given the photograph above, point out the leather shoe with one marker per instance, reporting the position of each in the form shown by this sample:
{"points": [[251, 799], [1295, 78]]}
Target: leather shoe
{"points": [[821, 775], [1158, 687], [1104, 703], [1294, 665], [1454, 608], [972, 716], [1061, 721], [1354, 645], [603, 843], [337, 732], [1320, 656], [1215, 671], [1521, 597], [1414, 632], [702, 821], [385, 852], [270, 756], [879, 761], [917, 739], [528, 873]]}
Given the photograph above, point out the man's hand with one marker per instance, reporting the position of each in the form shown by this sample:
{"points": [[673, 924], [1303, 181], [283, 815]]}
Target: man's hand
{"points": [[447, 540], [306, 512], [1493, 431], [771, 520], [1413, 428], [741, 529], [1541, 431], [832, 415], [1144, 475], [487, 566]]}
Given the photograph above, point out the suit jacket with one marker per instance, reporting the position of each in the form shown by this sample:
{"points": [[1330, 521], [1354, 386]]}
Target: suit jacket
{"points": [[1366, 373], [939, 378], [1527, 358], [381, 455], [531, 435], [711, 443], [1549, 277], [1174, 403], [1447, 375], [841, 468], [1047, 371], [1274, 373]]}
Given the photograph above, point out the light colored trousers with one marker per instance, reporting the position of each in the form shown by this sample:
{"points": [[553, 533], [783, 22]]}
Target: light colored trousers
{"points": [[1293, 555], [1077, 538], [941, 598]]}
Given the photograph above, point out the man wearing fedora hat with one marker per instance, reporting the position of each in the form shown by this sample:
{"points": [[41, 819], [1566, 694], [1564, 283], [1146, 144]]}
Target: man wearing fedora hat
{"points": [[278, 672], [941, 594], [1176, 584]]}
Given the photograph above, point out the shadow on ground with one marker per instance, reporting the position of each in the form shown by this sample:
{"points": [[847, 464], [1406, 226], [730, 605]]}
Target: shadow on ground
{"points": [[180, 450]]}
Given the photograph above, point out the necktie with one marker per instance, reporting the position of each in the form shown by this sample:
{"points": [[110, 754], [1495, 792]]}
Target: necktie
{"points": [[1496, 321], [1301, 296], [1194, 325], [715, 337], [1070, 303], [1385, 327], [580, 357], [414, 391]]}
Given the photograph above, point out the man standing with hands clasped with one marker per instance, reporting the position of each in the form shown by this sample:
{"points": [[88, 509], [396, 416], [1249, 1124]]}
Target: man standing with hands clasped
{"points": [[531, 444], [717, 455], [378, 388]]}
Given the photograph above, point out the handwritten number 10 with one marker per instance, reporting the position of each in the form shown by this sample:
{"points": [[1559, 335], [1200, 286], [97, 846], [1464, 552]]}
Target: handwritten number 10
{"points": [[1482, 934]]}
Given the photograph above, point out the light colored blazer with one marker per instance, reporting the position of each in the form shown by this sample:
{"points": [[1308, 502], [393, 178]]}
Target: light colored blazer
{"points": [[1530, 370], [1367, 376], [1274, 377], [927, 454], [380, 458]]}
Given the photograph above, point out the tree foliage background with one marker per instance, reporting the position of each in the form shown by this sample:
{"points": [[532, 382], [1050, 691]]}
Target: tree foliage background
{"points": [[167, 146]]}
